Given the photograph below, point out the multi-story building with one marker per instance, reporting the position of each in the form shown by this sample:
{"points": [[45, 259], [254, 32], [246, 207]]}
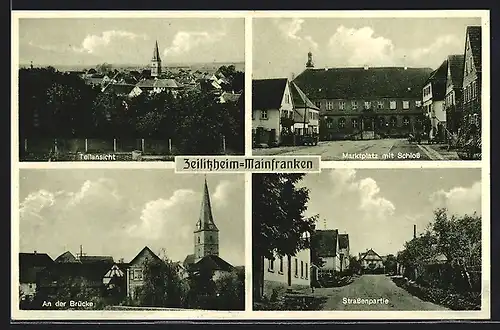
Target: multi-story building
{"points": [[433, 94], [280, 111], [453, 97], [471, 84], [271, 102], [365, 103]]}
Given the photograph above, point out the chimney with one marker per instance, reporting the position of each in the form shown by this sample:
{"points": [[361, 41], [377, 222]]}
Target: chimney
{"points": [[414, 231]]}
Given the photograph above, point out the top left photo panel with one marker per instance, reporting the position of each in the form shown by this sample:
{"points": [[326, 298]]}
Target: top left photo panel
{"points": [[127, 88]]}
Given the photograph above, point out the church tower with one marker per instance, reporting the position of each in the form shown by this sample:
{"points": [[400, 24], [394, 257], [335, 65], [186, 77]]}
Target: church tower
{"points": [[310, 63], [156, 62], [206, 234]]}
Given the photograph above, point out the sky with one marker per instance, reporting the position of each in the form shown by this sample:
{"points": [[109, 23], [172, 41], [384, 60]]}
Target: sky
{"points": [[91, 41], [281, 48], [378, 208], [117, 212]]}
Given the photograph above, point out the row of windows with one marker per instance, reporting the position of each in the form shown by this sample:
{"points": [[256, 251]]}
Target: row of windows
{"points": [[136, 274], [471, 91], [367, 104], [355, 122], [304, 267], [288, 114]]}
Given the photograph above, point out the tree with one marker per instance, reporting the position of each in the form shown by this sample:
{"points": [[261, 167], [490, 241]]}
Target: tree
{"points": [[230, 290], [162, 284], [391, 264], [278, 219]]}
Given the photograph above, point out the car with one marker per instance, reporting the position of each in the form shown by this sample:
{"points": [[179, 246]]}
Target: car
{"points": [[310, 140]]}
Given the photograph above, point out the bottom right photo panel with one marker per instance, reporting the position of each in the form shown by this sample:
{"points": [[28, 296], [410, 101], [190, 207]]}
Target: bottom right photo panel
{"points": [[367, 240]]}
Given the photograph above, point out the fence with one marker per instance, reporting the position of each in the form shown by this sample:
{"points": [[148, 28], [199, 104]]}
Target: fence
{"points": [[66, 149]]}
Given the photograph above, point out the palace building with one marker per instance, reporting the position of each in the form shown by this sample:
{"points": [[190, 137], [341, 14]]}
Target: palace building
{"points": [[365, 102]]}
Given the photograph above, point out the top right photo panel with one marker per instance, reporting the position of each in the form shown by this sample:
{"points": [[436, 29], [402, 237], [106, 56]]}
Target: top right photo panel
{"points": [[369, 88]]}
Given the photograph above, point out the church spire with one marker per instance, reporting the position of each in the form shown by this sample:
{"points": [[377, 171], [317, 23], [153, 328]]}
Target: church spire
{"points": [[206, 220], [156, 53], [156, 62]]}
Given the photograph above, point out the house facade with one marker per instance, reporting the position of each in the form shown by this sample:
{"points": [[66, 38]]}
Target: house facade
{"points": [[30, 265], [327, 244], [433, 100], [135, 271], [271, 101], [365, 103], [371, 262], [306, 113], [344, 252], [471, 84], [453, 97], [287, 271]]}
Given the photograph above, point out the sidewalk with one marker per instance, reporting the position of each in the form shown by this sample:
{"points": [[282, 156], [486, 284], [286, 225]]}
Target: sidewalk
{"points": [[438, 152]]}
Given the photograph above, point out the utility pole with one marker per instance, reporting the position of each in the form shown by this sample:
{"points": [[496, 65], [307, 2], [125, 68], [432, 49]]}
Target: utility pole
{"points": [[414, 231]]}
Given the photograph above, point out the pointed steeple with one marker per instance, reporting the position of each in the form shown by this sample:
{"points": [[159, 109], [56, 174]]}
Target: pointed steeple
{"points": [[156, 53], [206, 220]]}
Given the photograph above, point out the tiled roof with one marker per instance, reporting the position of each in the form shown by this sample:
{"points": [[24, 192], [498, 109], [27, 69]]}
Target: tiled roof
{"points": [[157, 83], [145, 249], [32, 263], [343, 241], [230, 97], [370, 253], [456, 65], [95, 259], [300, 100], [212, 263], [326, 242], [438, 81], [188, 261], [474, 33], [359, 83], [120, 89], [66, 257], [268, 93]]}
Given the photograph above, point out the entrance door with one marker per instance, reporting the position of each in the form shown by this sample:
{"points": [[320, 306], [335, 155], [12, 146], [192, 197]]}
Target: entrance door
{"points": [[368, 124]]}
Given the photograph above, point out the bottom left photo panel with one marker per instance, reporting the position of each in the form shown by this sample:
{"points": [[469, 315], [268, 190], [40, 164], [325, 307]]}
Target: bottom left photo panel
{"points": [[130, 239]]}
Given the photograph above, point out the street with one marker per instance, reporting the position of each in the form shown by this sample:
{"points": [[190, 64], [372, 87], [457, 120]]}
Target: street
{"points": [[383, 149], [379, 289]]}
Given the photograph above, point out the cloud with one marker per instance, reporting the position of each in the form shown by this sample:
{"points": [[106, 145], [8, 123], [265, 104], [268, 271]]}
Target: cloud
{"points": [[35, 202], [367, 190], [93, 43], [94, 190], [222, 193], [184, 41], [355, 47], [161, 213], [459, 200], [441, 45], [358, 47], [290, 29], [374, 205]]}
